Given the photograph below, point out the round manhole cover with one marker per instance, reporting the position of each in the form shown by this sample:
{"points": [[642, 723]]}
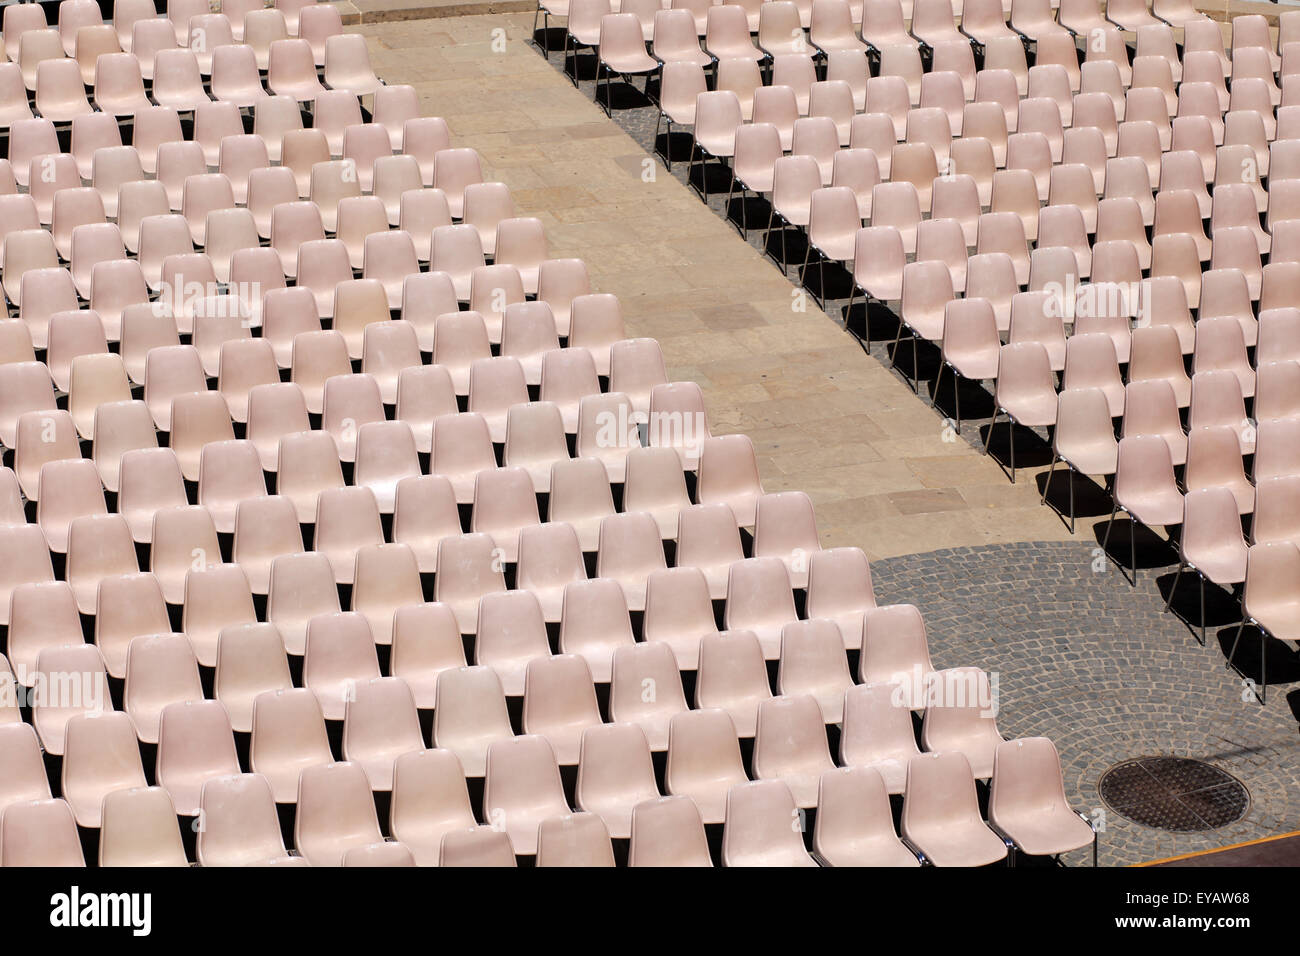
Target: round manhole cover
{"points": [[1174, 793]]}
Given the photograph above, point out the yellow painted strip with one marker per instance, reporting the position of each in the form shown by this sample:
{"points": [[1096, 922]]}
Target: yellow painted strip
{"points": [[1221, 849]]}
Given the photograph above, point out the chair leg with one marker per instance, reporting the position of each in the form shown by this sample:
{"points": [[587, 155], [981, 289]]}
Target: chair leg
{"points": [[1011, 432], [916, 364], [1109, 526], [988, 435], [1235, 641], [1132, 547], [1070, 475], [1202, 610], [1048, 482], [893, 358], [956, 398], [1263, 667], [1169, 601]]}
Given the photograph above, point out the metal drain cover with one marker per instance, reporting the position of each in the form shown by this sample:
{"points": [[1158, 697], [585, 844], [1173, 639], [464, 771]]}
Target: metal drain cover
{"points": [[1174, 793]]}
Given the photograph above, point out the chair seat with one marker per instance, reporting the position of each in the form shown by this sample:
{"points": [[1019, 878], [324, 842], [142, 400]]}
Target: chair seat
{"points": [[1157, 509], [1226, 565], [1049, 832], [971, 844], [1093, 458]]}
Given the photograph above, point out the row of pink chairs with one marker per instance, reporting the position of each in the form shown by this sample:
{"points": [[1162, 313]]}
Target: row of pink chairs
{"points": [[528, 813]]}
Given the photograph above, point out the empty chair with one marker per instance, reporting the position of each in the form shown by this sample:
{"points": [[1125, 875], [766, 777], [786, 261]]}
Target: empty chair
{"points": [[235, 78], [878, 732], [185, 539], [615, 774], [1214, 460], [854, 824], [380, 725], [895, 649], [704, 761], [668, 831], [426, 642], [250, 662], [476, 846], [791, 745], [1274, 520], [1144, 486], [429, 800], [732, 677], [470, 715], [678, 612], [40, 832], [759, 830], [1025, 390], [291, 70], [961, 717], [941, 815], [127, 606], [560, 703], [340, 653], [594, 624], [813, 662], [522, 788], [534, 440], [177, 83], [288, 735], [468, 568], [139, 828], [462, 448], [194, 743], [1211, 543], [579, 839], [335, 812], [51, 708], [119, 85], [504, 503], [629, 549], [1027, 801], [240, 823], [160, 670]]}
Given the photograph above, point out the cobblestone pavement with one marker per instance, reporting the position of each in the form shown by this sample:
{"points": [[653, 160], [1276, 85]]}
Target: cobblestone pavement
{"points": [[1103, 671]]}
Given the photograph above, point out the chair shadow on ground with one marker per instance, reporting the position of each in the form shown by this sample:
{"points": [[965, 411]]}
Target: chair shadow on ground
{"points": [[1272, 663], [1031, 449], [872, 320], [675, 149], [615, 93], [549, 40], [1132, 541], [748, 212], [1091, 500], [708, 175], [1222, 606]]}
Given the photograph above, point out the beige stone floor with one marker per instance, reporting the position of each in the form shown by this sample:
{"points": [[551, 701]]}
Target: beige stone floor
{"points": [[825, 417]]}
